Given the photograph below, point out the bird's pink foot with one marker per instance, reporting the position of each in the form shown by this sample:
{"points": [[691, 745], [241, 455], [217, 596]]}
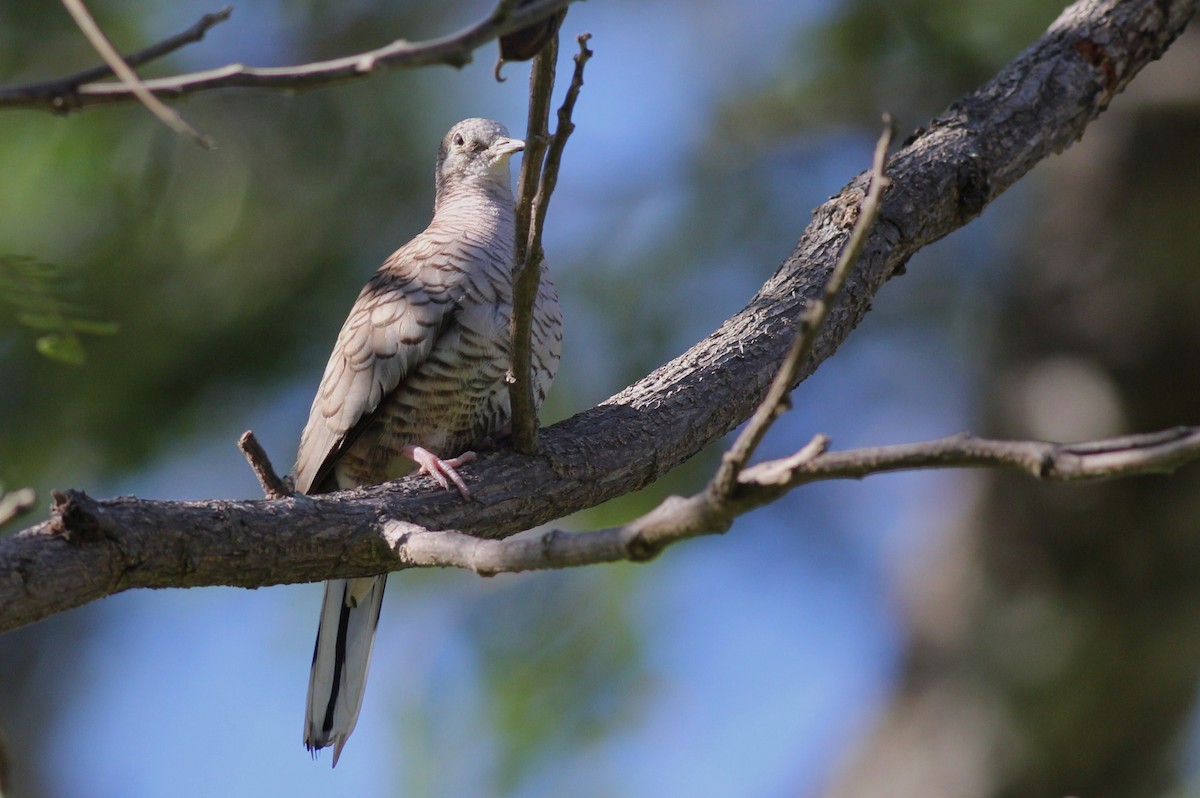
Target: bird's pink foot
{"points": [[442, 471]]}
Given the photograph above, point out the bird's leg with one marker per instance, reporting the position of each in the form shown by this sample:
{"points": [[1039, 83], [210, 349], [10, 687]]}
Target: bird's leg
{"points": [[443, 471]]}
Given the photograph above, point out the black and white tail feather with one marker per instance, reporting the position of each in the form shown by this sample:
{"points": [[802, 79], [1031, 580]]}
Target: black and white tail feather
{"points": [[341, 657]]}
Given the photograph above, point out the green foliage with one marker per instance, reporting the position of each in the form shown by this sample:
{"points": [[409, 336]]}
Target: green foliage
{"points": [[223, 272], [563, 669], [869, 56], [34, 291]]}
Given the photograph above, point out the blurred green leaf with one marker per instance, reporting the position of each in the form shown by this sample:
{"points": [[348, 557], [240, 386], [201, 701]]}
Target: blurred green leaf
{"points": [[38, 291], [91, 327], [65, 348], [908, 57], [41, 321], [564, 667], [51, 321]]}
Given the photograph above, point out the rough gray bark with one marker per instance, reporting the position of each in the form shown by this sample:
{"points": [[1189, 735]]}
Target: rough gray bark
{"points": [[943, 178]]}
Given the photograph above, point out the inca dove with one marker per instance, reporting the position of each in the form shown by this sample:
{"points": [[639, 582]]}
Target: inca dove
{"points": [[418, 373]]}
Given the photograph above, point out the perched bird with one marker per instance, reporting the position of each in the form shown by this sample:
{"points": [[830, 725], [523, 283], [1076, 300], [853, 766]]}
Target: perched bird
{"points": [[418, 377]]}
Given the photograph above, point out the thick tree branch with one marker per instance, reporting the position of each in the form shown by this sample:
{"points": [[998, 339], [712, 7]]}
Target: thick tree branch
{"points": [[296, 536], [454, 50], [988, 139]]}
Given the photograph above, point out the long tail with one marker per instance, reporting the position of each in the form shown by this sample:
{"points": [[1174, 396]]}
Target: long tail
{"points": [[341, 657]]}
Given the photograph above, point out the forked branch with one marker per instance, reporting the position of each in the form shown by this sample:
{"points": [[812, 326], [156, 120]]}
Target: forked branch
{"points": [[678, 518], [73, 93], [539, 176], [110, 56]]}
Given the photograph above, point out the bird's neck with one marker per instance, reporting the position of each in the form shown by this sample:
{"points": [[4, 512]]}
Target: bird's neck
{"points": [[486, 208]]}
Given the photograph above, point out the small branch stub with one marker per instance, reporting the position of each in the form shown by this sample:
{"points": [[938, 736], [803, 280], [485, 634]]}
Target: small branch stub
{"points": [[272, 485]]}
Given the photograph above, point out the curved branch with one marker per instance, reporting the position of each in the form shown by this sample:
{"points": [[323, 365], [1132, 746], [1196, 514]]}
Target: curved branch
{"points": [[679, 519], [53, 94], [1039, 104], [454, 50]]}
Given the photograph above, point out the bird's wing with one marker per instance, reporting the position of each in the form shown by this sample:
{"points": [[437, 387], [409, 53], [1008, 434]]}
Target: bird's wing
{"points": [[389, 333], [546, 336]]}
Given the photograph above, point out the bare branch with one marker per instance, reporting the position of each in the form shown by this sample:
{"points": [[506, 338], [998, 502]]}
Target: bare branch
{"points": [[554, 153], [273, 487], [812, 319], [679, 518], [354, 534], [111, 57], [1152, 453], [454, 50], [531, 221], [1039, 104], [59, 94], [526, 271]]}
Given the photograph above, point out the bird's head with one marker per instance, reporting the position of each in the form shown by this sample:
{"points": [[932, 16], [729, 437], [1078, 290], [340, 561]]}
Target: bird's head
{"points": [[476, 151]]}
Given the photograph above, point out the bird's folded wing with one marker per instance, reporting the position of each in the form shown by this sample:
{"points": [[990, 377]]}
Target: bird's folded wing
{"points": [[392, 328]]}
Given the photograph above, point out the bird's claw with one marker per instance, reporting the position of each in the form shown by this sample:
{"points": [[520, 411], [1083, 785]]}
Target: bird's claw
{"points": [[442, 471]]}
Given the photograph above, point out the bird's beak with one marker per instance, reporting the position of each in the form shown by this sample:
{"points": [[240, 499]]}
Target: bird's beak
{"points": [[505, 146]]}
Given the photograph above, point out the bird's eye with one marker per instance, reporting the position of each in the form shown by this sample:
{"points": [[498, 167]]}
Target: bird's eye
{"points": [[458, 140]]}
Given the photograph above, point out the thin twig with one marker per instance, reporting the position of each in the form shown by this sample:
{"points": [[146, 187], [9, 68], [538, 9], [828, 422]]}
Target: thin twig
{"points": [[811, 320], [554, 153], [1151, 453], [62, 93], [123, 71], [529, 259], [527, 272], [454, 50], [273, 487], [679, 519]]}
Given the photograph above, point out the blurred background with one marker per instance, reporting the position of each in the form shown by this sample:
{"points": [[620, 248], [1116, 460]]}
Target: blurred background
{"points": [[937, 634]]}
